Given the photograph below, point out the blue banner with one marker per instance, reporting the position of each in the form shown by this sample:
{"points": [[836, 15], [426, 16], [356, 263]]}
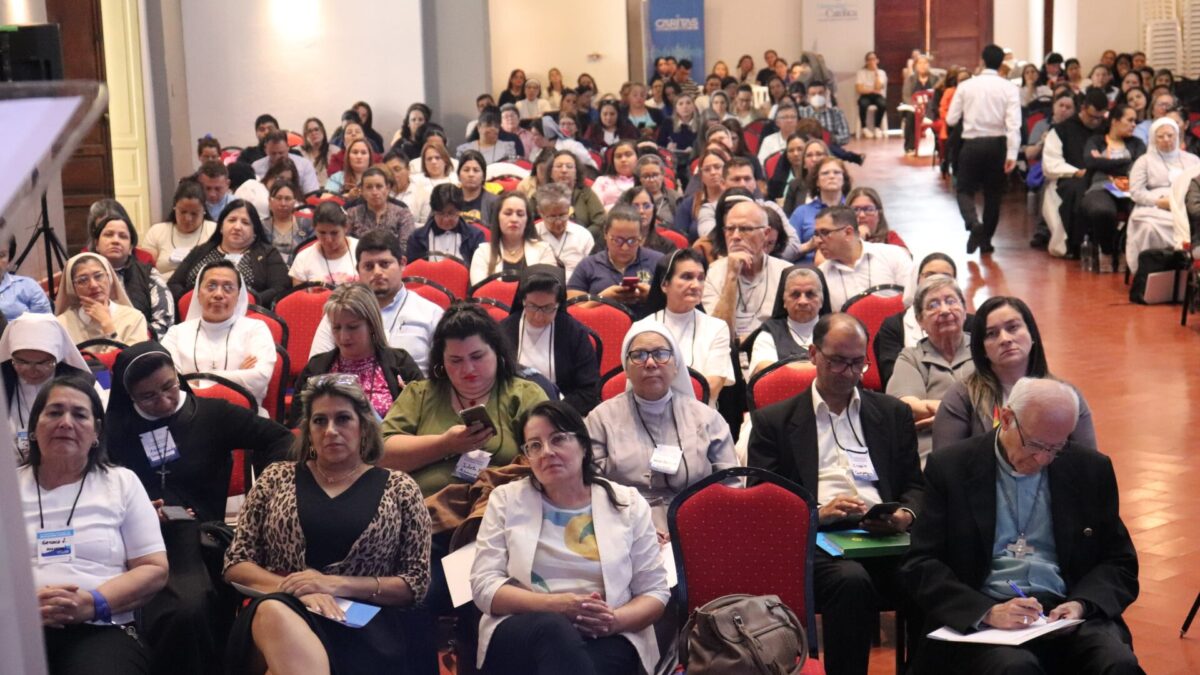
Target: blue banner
{"points": [[676, 28]]}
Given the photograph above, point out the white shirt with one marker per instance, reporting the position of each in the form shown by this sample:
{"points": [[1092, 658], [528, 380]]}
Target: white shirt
{"points": [[409, 321], [200, 346], [866, 77], [1054, 165], [575, 244], [766, 351], [756, 298], [878, 264], [114, 522], [307, 174], [312, 265], [536, 252], [531, 110], [170, 246], [703, 341], [769, 146], [535, 348], [835, 432], [988, 106], [416, 198]]}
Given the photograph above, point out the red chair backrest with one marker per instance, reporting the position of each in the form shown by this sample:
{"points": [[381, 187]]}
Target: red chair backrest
{"points": [[237, 396], [144, 256], [674, 237], [771, 163], [275, 323], [780, 381], [487, 234], [449, 272], [726, 540], [102, 350], [611, 320], [1033, 120], [430, 290], [524, 164], [302, 309], [495, 309], [277, 386], [506, 183], [871, 307], [499, 286], [596, 159], [614, 383]]}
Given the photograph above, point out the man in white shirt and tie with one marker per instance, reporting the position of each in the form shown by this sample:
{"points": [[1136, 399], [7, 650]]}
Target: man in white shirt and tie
{"points": [[989, 107]]}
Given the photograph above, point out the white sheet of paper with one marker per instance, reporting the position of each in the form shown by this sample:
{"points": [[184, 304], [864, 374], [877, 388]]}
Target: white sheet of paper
{"points": [[996, 636], [457, 567]]}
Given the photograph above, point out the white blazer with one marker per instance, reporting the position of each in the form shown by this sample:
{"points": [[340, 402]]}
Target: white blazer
{"points": [[630, 555], [536, 253]]}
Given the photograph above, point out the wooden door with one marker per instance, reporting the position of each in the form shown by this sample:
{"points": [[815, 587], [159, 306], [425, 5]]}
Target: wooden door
{"points": [[87, 176], [899, 29], [958, 31]]}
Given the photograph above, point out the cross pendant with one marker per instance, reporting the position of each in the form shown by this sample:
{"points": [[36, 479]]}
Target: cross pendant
{"points": [[162, 475], [1020, 548]]}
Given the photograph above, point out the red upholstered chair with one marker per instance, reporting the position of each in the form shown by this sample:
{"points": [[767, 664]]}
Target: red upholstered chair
{"points": [[728, 540], [872, 306], [613, 383], [230, 154], [101, 350], [430, 290], [596, 159], [524, 164], [487, 234], [240, 476], [302, 308], [303, 245], [144, 256], [771, 163], [780, 381], [753, 133], [449, 272], [500, 286], [185, 301], [674, 237], [495, 309], [276, 324], [920, 100], [610, 319]]}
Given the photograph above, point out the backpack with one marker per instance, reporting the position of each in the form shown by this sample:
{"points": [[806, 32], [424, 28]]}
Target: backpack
{"points": [[1158, 279], [743, 634]]}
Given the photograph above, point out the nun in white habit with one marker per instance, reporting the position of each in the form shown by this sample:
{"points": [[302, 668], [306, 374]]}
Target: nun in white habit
{"points": [[34, 349], [656, 437], [216, 336]]}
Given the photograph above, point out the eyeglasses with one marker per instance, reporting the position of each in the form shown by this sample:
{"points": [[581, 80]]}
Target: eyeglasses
{"points": [[644, 206], [46, 363], [865, 210], [951, 302], [167, 390], [558, 440], [620, 242], [560, 218], [839, 365], [83, 279], [661, 356], [213, 286], [821, 233], [744, 230], [541, 309], [1037, 446]]}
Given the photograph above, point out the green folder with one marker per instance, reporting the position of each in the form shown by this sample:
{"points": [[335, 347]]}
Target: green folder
{"points": [[861, 544]]}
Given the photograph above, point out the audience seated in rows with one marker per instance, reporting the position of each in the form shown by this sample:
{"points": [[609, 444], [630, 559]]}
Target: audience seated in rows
{"points": [[624, 257], [513, 244], [186, 227], [92, 303], [34, 349], [330, 259], [111, 234], [800, 301]]}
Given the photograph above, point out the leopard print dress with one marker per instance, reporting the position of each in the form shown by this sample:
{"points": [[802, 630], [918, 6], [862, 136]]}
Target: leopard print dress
{"points": [[395, 542]]}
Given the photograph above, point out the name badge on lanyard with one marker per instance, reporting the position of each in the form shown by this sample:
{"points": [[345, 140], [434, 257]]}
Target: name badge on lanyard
{"points": [[55, 546], [860, 463], [666, 459], [159, 447], [179, 253], [23, 442], [471, 464]]}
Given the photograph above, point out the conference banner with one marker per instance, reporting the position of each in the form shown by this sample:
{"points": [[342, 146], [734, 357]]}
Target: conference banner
{"points": [[675, 28]]}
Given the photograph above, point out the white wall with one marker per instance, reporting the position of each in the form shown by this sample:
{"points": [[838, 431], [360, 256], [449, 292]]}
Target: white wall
{"points": [[730, 31], [843, 33], [536, 36], [299, 58], [1105, 24]]}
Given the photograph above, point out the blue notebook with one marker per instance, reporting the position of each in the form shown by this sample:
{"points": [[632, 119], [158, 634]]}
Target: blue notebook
{"points": [[358, 614]]}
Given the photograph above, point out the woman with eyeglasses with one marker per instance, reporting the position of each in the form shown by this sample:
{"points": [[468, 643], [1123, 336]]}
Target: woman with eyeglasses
{"points": [[361, 351], [514, 242], [903, 329], [33, 349], [1005, 346], [285, 230], [925, 372], [656, 437], [217, 338], [639, 199], [328, 526], [92, 304], [566, 170], [446, 233], [549, 340], [181, 447], [651, 174], [568, 570], [872, 225], [828, 185]]}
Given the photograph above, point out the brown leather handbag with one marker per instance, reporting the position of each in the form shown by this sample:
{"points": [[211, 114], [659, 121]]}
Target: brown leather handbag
{"points": [[743, 634]]}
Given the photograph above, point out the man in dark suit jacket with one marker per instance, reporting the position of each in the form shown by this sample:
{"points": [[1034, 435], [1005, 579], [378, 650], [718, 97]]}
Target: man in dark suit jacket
{"points": [[852, 449], [963, 555]]}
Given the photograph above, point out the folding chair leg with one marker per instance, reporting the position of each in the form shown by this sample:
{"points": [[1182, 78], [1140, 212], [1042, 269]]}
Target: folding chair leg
{"points": [[1187, 623]]}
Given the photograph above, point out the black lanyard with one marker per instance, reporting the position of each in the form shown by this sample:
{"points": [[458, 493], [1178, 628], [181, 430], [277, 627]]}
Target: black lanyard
{"points": [[833, 430], [161, 452], [41, 517], [678, 439], [399, 312], [196, 361]]}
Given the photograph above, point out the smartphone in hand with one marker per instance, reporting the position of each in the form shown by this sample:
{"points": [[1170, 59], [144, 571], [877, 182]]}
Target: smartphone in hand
{"points": [[476, 415]]}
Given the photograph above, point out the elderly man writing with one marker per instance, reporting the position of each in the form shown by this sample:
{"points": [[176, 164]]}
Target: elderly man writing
{"points": [[1019, 524]]}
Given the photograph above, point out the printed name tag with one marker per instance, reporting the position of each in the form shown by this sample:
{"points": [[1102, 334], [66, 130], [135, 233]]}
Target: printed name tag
{"points": [[23, 442], [55, 546], [860, 463], [666, 459], [178, 254], [471, 464], [159, 446]]}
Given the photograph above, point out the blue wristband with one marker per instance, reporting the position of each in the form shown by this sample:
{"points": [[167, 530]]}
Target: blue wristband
{"points": [[103, 613]]}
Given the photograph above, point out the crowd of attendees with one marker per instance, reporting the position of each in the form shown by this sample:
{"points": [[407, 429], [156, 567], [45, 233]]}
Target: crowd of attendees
{"points": [[734, 235]]}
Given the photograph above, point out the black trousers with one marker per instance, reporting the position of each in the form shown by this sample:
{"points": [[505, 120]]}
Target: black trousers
{"points": [[867, 100], [187, 622], [543, 643], [849, 595], [1071, 191], [1095, 647], [95, 650], [1099, 211], [981, 167]]}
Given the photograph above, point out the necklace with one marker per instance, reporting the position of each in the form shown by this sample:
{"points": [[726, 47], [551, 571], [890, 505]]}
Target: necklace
{"points": [[333, 481]]}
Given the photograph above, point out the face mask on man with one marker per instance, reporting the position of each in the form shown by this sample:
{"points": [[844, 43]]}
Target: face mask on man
{"points": [[817, 101]]}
